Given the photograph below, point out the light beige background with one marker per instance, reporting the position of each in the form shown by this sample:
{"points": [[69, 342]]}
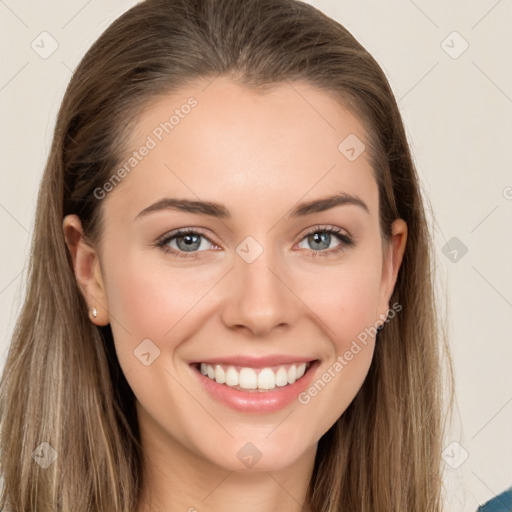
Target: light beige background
{"points": [[458, 114]]}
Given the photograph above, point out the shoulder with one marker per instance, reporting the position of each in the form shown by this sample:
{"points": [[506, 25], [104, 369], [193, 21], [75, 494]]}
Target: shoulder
{"points": [[500, 503]]}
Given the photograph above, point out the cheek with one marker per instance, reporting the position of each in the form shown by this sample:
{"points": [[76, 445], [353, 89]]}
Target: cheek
{"points": [[345, 298], [346, 302], [349, 311], [150, 301]]}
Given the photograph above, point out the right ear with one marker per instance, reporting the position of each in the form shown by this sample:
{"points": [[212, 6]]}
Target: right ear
{"points": [[87, 269]]}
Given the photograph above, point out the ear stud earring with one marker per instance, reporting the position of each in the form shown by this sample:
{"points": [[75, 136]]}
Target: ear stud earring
{"points": [[94, 312]]}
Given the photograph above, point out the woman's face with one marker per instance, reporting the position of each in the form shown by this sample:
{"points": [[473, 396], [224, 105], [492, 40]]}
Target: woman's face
{"points": [[260, 277]]}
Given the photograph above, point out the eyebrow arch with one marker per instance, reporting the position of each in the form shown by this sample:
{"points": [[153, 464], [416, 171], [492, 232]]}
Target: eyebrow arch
{"points": [[220, 211]]}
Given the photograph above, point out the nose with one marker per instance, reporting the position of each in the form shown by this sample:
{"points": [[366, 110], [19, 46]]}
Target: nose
{"points": [[260, 296]]}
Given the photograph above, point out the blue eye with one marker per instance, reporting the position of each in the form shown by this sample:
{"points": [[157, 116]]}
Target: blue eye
{"points": [[187, 241], [326, 235], [190, 241]]}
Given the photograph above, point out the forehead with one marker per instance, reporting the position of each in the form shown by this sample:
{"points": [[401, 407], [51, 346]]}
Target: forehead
{"points": [[222, 141]]}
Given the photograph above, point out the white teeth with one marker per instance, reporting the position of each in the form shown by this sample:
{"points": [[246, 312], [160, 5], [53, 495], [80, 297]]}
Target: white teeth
{"points": [[301, 370], [232, 377], [281, 377], [220, 374], [250, 378], [292, 374], [266, 379]]}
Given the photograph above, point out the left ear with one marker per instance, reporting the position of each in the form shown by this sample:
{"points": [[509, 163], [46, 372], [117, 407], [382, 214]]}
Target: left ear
{"points": [[392, 259]]}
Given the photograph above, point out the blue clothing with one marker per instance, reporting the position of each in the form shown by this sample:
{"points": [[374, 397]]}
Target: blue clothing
{"points": [[500, 503]]}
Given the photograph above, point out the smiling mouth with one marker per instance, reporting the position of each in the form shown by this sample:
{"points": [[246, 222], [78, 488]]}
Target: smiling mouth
{"points": [[254, 379]]}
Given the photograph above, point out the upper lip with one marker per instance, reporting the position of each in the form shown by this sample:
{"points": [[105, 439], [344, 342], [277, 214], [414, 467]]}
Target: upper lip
{"points": [[255, 362]]}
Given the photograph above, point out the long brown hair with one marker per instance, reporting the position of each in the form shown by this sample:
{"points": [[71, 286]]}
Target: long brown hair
{"points": [[62, 383]]}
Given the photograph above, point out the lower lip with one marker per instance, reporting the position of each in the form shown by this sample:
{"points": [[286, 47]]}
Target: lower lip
{"points": [[256, 401]]}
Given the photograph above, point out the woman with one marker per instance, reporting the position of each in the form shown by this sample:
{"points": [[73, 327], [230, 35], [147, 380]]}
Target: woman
{"points": [[230, 304]]}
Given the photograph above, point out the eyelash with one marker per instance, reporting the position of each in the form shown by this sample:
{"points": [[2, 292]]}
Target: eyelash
{"points": [[346, 241]]}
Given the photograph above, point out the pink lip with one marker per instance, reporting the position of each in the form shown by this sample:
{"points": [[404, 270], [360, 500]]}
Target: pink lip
{"points": [[256, 401], [255, 362]]}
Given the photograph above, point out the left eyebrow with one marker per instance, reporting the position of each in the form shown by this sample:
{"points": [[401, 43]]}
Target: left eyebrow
{"points": [[326, 203], [220, 211]]}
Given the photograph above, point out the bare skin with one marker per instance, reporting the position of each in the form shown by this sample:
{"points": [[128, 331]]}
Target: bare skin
{"points": [[259, 155]]}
